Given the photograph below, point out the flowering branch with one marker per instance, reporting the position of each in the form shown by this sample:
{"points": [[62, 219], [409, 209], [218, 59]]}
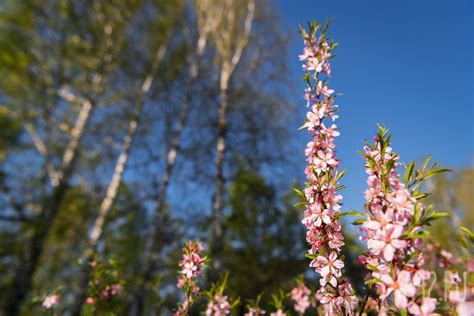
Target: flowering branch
{"points": [[322, 203], [393, 230], [219, 304], [300, 295], [191, 266]]}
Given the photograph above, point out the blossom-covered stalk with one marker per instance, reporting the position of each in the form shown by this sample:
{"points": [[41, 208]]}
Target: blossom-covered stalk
{"points": [[322, 202], [218, 306], [300, 295], [191, 265], [278, 299], [253, 307], [218, 303], [393, 230]]}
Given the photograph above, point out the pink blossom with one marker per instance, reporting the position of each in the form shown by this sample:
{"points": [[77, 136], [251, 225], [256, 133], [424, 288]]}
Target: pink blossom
{"points": [[420, 276], [317, 216], [300, 296], [427, 307], [346, 299], [386, 241], [329, 265], [465, 309], [254, 311], [394, 258], [50, 301], [323, 204], [336, 240], [457, 296], [402, 288], [323, 161], [191, 264], [218, 306], [323, 89], [279, 312]]}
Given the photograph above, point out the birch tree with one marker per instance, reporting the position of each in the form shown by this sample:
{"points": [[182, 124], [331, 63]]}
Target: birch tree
{"points": [[109, 24], [230, 39], [206, 23], [113, 186]]}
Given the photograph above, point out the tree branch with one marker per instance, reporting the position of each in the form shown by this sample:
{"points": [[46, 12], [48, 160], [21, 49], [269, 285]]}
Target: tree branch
{"points": [[41, 147]]}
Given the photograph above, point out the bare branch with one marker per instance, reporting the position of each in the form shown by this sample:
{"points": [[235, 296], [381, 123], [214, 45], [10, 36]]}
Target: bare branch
{"points": [[41, 147]]}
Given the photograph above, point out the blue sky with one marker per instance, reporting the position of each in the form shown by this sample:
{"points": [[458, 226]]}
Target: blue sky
{"points": [[405, 64]]}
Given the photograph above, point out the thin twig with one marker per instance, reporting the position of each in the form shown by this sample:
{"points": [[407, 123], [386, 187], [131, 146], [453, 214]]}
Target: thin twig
{"points": [[365, 300]]}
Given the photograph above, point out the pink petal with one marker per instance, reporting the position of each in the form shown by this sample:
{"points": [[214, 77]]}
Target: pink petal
{"points": [[387, 279], [376, 244], [372, 225], [388, 253], [338, 264], [408, 289], [404, 277], [325, 271], [399, 244], [400, 299], [414, 309], [397, 231], [326, 219]]}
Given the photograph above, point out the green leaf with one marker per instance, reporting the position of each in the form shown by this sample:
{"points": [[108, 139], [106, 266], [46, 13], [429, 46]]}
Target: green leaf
{"points": [[358, 222], [372, 281], [300, 204], [433, 172], [311, 256], [467, 231], [425, 164], [301, 127], [390, 165], [409, 171], [373, 268], [419, 195], [371, 162], [435, 216], [419, 234], [413, 255], [339, 175], [300, 193], [353, 213]]}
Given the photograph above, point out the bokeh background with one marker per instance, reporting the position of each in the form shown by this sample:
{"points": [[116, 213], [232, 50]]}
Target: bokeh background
{"points": [[131, 126]]}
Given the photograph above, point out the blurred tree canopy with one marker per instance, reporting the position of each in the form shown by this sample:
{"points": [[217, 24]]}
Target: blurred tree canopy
{"points": [[76, 76], [452, 193]]}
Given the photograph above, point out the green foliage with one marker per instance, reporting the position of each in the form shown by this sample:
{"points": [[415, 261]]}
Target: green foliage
{"points": [[105, 288], [452, 193], [9, 137], [265, 246]]}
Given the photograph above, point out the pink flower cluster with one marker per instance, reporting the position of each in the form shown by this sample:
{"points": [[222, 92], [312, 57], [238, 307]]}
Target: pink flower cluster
{"points": [[254, 311], [111, 290], [218, 306], [390, 230], [50, 301], [278, 312], [322, 201], [191, 264], [301, 297], [457, 287]]}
